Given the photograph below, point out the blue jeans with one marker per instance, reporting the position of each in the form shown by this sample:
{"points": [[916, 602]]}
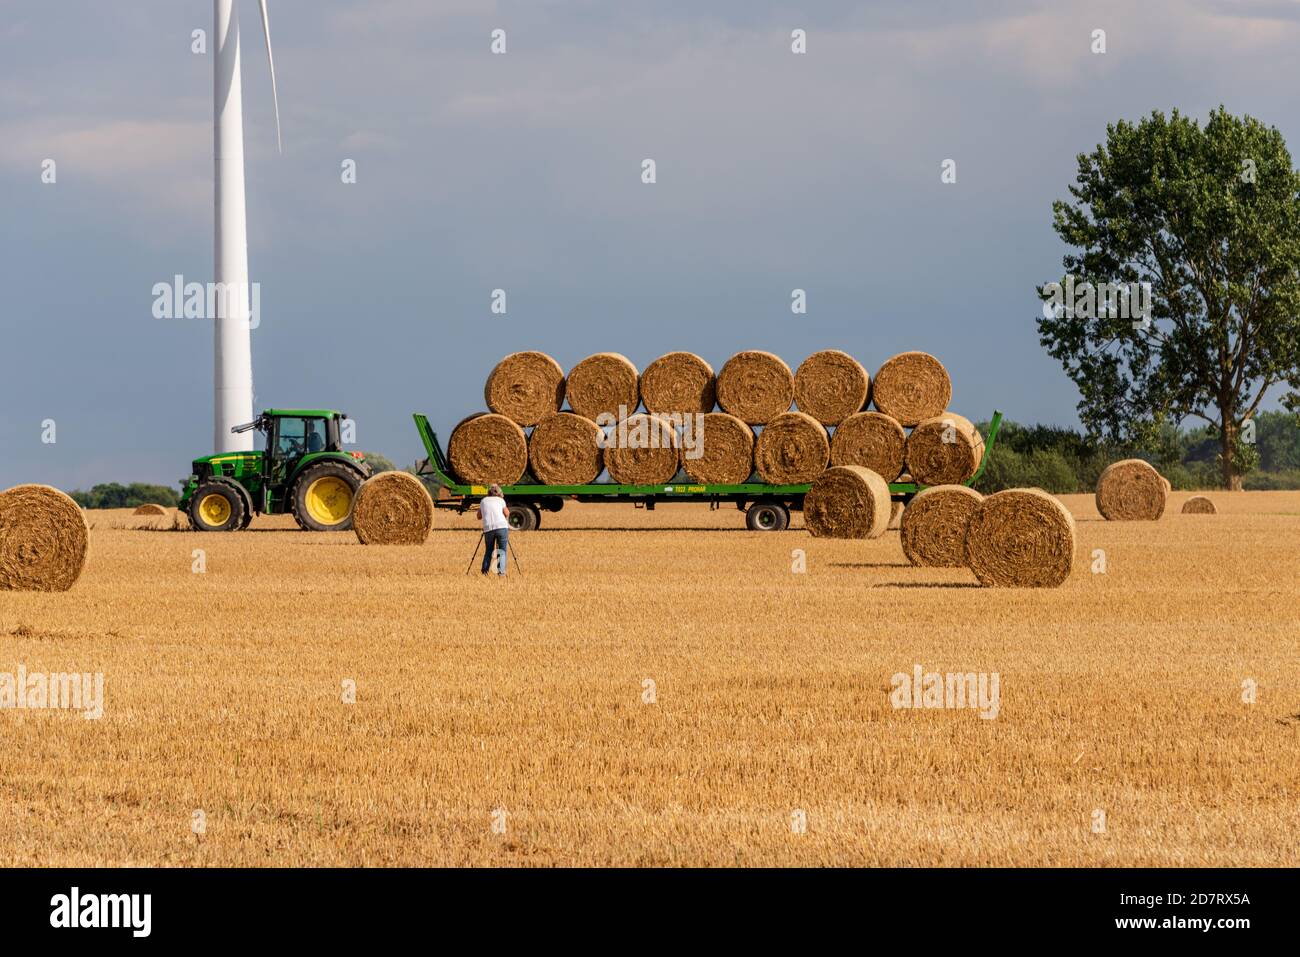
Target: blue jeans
{"points": [[498, 538]]}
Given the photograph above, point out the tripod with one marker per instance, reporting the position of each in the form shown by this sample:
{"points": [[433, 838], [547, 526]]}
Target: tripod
{"points": [[509, 544]]}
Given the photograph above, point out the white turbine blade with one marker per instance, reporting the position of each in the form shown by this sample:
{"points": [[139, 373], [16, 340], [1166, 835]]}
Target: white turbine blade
{"points": [[270, 60]]}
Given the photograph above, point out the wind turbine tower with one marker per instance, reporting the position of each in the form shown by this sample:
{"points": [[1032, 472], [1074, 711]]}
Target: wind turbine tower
{"points": [[233, 357]]}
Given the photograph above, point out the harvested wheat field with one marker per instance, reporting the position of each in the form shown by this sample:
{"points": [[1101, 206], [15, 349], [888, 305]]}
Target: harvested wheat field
{"points": [[660, 688]]}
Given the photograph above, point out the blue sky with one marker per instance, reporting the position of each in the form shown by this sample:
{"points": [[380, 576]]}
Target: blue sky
{"points": [[522, 172]]}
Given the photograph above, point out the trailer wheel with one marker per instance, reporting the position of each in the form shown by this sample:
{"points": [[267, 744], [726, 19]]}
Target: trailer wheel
{"points": [[524, 518], [767, 517]]}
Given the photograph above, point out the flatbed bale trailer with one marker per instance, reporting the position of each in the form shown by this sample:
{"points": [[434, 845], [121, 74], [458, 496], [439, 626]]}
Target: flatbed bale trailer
{"points": [[767, 508]]}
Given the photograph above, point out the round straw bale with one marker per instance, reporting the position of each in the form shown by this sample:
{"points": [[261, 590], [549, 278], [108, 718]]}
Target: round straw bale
{"points": [[1168, 487], [755, 387], [912, 387], [604, 385], [934, 525], [392, 508], [643, 450], [566, 449], [1021, 538], [830, 386], [487, 448], [1199, 505], [944, 450], [1131, 490], [679, 382], [149, 508], [792, 449], [726, 451], [870, 439], [847, 501], [895, 515], [43, 539], [526, 387]]}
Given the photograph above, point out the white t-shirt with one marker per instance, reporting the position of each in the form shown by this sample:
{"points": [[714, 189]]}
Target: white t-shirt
{"points": [[494, 513]]}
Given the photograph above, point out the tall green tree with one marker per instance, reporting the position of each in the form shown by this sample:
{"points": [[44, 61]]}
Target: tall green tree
{"points": [[1210, 218]]}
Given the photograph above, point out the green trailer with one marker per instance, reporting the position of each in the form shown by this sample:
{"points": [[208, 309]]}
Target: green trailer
{"points": [[766, 507]]}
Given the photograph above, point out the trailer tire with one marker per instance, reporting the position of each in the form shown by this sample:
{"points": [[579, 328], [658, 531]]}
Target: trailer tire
{"points": [[524, 518], [767, 517]]}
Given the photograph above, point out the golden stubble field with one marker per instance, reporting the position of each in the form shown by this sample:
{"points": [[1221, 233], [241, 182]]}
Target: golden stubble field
{"points": [[523, 705]]}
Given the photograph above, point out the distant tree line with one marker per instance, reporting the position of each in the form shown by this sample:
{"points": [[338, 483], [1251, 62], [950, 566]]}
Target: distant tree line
{"points": [[114, 495], [1062, 460]]}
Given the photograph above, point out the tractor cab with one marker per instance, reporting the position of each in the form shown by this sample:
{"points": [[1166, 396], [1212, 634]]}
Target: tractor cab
{"points": [[301, 470]]}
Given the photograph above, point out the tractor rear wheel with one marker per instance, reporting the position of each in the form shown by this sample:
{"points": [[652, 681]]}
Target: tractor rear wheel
{"points": [[217, 506], [323, 496], [249, 511]]}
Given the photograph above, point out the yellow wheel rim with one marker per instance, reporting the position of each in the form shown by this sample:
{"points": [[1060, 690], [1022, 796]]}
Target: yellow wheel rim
{"points": [[214, 509], [329, 500]]}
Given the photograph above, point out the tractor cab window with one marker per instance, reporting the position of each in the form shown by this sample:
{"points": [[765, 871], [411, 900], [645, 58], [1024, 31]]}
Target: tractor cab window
{"points": [[300, 436]]}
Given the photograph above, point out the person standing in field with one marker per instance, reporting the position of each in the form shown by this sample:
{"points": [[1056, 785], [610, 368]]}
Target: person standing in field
{"points": [[496, 528]]}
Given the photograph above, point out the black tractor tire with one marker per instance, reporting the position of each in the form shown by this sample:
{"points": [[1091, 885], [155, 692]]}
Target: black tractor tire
{"points": [[208, 515], [304, 497], [249, 511], [524, 518], [767, 517]]}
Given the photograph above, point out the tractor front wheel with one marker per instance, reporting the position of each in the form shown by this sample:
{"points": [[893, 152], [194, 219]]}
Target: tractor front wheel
{"points": [[217, 507], [323, 496]]}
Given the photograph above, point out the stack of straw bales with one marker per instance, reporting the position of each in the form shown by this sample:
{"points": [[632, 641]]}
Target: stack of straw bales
{"points": [[529, 432]]}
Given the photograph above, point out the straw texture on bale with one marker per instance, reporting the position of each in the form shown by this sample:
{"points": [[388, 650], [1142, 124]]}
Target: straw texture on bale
{"points": [[830, 386], [755, 387], [43, 539], [870, 439], [392, 508], [944, 450], [565, 449], [525, 387], [912, 387], [1021, 538], [847, 501], [792, 449], [725, 449], [605, 384], [895, 516], [487, 448], [1131, 490], [933, 532], [149, 508], [1199, 505], [679, 382], [643, 450]]}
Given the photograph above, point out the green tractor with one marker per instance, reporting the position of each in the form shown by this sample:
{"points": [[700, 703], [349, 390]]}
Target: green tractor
{"points": [[302, 470]]}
